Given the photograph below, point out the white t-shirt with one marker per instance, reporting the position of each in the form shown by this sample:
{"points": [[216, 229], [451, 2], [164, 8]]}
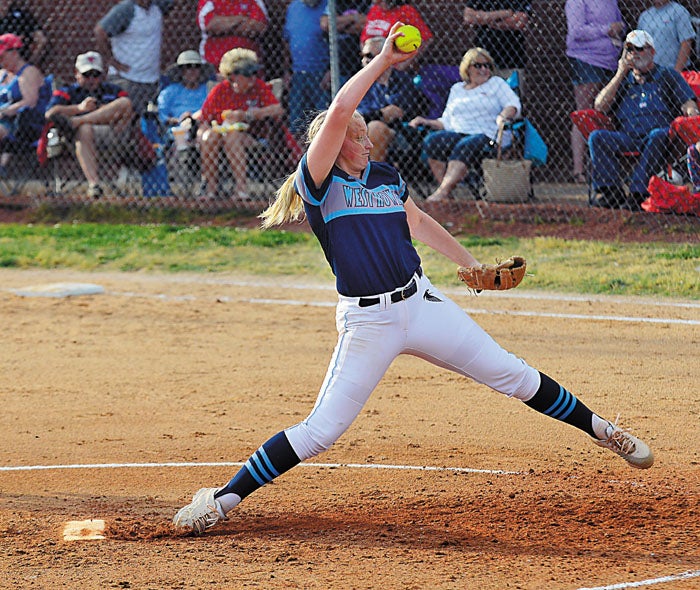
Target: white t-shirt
{"points": [[473, 111], [139, 45]]}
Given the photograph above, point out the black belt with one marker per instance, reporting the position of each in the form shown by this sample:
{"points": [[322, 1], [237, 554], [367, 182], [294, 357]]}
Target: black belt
{"points": [[408, 291]]}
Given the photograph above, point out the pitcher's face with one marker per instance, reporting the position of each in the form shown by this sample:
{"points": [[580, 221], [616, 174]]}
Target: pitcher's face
{"points": [[354, 153]]}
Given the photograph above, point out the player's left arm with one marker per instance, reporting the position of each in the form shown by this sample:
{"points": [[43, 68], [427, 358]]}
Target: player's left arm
{"points": [[425, 229]]}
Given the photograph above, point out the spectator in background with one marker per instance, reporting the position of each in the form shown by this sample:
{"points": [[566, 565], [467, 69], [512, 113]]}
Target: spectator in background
{"points": [[93, 112], [179, 111], [308, 48], [227, 24], [183, 98], [466, 131], [19, 20], [644, 98], [246, 104], [129, 37], [384, 13], [500, 29], [593, 42], [670, 25], [392, 99], [22, 115], [350, 20]]}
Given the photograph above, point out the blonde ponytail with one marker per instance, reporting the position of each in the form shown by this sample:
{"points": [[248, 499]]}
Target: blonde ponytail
{"points": [[288, 205], [286, 208]]}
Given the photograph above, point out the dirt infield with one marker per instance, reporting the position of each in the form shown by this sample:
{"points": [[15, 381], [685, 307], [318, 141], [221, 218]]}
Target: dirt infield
{"points": [[169, 373]]}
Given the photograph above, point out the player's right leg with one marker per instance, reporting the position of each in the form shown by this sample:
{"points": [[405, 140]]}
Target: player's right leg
{"points": [[369, 340]]}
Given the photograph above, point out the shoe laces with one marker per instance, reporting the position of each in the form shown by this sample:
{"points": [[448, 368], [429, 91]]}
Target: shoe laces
{"points": [[620, 440], [206, 520]]}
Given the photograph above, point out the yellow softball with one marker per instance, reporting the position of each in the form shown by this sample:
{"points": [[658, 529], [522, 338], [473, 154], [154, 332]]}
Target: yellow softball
{"points": [[411, 39]]}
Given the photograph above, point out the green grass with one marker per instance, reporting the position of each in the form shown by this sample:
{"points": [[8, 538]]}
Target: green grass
{"points": [[657, 269]]}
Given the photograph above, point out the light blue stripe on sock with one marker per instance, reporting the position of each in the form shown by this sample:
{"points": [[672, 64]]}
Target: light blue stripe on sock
{"points": [[555, 406], [251, 469], [268, 463], [257, 464], [564, 412]]}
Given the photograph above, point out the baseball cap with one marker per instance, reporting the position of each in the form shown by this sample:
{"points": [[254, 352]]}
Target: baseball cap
{"points": [[639, 38], [9, 41], [86, 62], [189, 58]]}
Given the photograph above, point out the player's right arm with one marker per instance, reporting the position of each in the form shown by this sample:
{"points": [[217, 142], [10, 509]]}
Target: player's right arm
{"points": [[325, 146]]}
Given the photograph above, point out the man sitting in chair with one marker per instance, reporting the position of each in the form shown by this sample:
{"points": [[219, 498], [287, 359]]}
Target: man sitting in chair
{"points": [[95, 113], [644, 98]]}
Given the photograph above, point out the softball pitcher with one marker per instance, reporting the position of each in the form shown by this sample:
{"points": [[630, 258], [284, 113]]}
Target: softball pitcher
{"points": [[362, 215]]}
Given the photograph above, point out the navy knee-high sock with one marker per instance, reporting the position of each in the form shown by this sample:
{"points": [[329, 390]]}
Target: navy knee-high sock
{"points": [[272, 459], [556, 402]]}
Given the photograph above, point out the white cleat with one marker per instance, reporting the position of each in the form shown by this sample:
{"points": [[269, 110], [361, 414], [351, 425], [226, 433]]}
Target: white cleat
{"points": [[633, 450], [200, 514]]}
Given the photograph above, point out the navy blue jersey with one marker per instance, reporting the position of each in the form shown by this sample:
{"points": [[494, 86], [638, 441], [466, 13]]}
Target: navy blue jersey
{"points": [[653, 104], [361, 225]]}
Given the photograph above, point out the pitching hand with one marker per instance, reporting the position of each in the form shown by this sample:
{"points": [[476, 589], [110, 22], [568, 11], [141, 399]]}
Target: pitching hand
{"points": [[389, 49]]}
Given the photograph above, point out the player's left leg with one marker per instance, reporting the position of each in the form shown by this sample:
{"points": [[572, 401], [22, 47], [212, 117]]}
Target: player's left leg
{"points": [[446, 336]]}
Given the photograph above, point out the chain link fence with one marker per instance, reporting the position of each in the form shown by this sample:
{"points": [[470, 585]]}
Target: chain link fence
{"points": [[165, 152]]}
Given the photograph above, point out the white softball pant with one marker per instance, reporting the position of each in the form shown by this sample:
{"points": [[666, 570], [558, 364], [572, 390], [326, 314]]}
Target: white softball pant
{"points": [[370, 338]]}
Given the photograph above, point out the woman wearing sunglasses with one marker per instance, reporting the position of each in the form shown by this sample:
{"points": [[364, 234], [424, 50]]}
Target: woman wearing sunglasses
{"points": [[464, 135], [237, 112]]}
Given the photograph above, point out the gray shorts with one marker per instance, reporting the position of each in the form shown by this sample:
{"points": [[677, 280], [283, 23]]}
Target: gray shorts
{"points": [[140, 93]]}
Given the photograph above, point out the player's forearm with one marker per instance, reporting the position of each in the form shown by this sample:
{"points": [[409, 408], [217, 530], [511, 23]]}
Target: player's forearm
{"points": [[353, 91], [425, 229]]}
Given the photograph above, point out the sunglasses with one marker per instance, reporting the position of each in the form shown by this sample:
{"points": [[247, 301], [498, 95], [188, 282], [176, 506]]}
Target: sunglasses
{"points": [[92, 74], [368, 55], [635, 49], [246, 72], [191, 67], [481, 66]]}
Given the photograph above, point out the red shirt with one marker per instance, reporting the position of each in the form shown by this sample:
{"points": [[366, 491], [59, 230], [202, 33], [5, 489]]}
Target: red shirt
{"points": [[222, 98], [213, 48], [380, 20]]}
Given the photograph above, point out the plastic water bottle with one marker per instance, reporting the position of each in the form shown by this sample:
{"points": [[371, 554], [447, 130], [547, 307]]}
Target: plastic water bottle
{"points": [[154, 181], [54, 147]]}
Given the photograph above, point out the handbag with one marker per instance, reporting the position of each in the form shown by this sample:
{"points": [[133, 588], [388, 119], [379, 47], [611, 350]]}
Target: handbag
{"points": [[506, 181]]}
